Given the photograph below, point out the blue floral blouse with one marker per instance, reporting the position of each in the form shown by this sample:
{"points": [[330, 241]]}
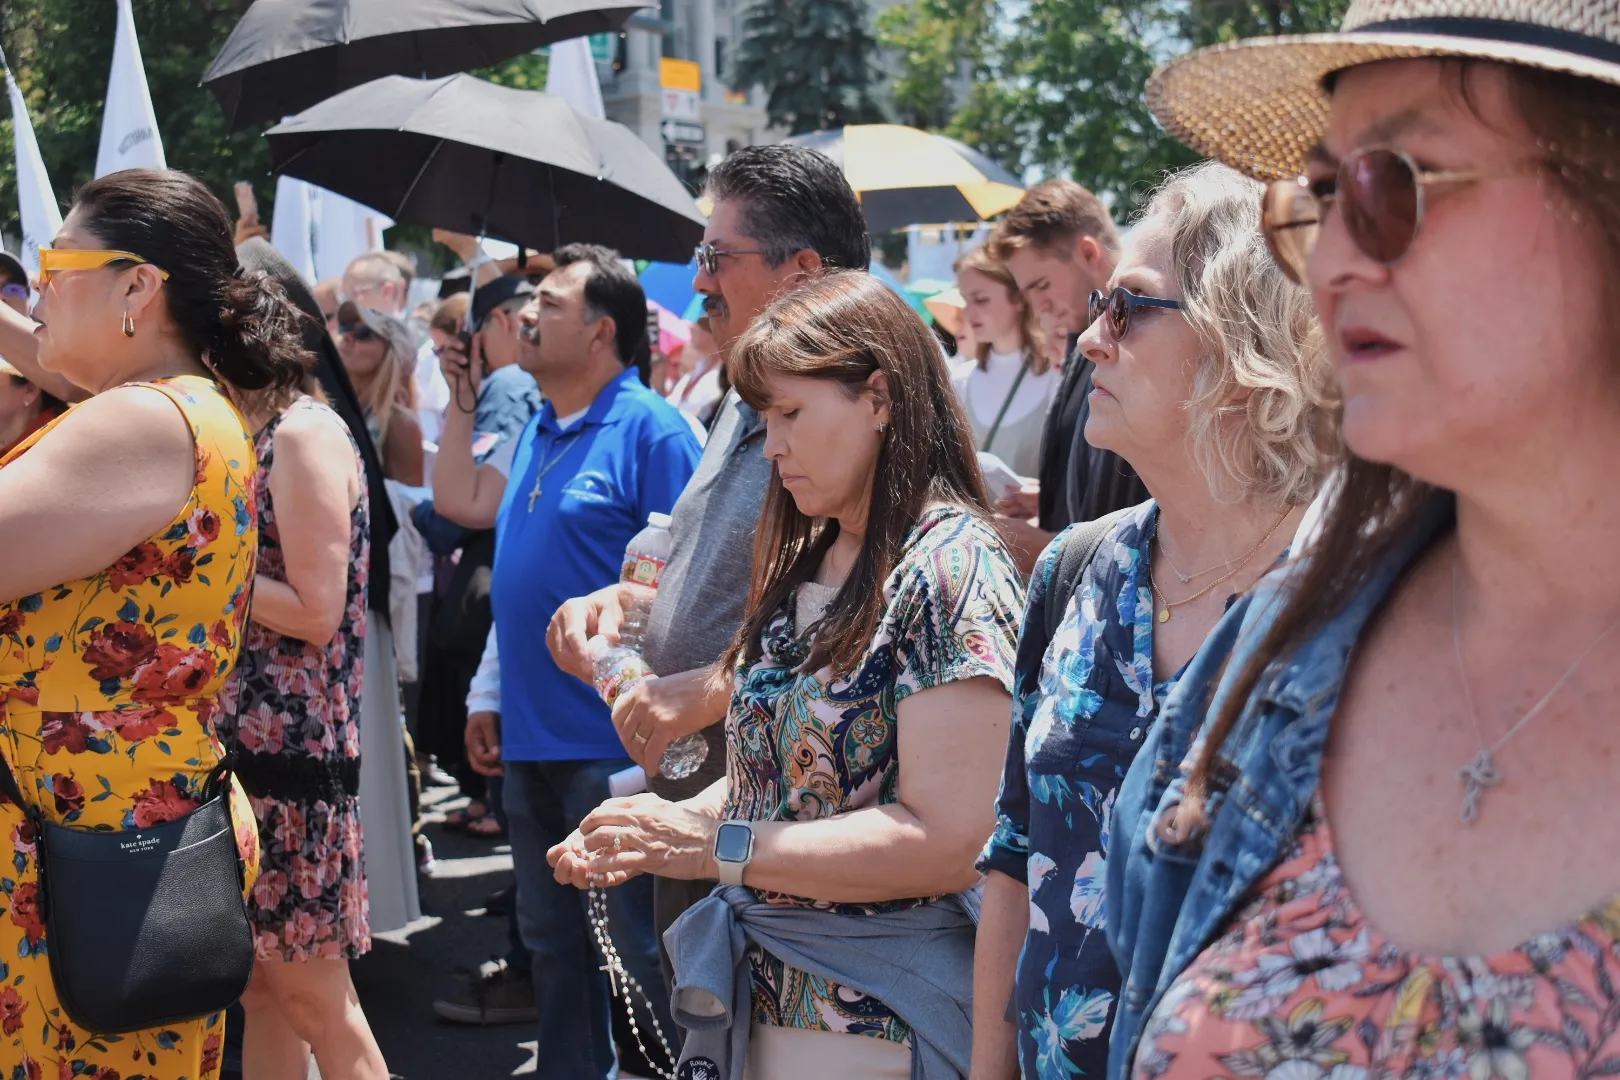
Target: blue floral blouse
{"points": [[1072, 742], [807, 745]]}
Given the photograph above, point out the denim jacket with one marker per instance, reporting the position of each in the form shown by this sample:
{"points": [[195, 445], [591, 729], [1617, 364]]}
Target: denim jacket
{"points": [[1167, 900]]}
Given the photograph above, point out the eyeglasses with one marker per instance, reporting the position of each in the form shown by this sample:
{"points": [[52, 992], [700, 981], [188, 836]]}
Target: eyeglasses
{"points": [[1380, 192], [357, 330], [708, 257], [54, 260], [14, 291], [1120, 306]]}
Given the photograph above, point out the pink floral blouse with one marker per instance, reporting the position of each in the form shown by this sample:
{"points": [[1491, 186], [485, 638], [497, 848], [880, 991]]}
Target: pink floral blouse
{"points": [[1300, 987]]}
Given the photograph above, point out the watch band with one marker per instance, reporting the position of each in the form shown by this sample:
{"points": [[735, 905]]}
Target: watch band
{"points": [[730, 871]]}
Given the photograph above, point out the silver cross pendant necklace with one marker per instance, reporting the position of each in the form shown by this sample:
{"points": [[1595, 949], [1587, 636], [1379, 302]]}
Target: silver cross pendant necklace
{"points": [[1480, 774], [558, 450]]}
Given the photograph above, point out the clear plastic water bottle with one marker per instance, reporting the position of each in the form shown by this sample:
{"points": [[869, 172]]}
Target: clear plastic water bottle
{"points": [[617, 669], [644, 560]]}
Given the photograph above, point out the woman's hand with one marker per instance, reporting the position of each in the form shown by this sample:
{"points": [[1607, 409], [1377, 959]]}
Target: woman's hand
{"points": [[571, 865], [647, 835]]}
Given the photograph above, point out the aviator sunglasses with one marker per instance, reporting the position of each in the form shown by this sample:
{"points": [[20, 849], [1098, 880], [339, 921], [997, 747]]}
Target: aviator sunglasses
{"points": [[1380, 193], [708, 257], [1118, 307]]}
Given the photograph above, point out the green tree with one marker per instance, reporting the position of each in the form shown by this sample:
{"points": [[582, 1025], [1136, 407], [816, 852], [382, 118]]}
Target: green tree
{"points": [[61, 53], [1060, 92], [815, 59], [1057, 86], [1209, 22], [931, 44]]}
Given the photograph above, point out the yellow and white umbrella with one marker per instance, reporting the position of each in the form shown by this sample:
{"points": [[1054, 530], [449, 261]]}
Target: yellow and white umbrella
{"points": [[909, 177]]}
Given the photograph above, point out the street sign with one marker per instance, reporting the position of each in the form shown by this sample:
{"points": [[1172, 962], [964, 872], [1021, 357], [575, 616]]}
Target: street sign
{"points": [[676, 131], [680, 83]]}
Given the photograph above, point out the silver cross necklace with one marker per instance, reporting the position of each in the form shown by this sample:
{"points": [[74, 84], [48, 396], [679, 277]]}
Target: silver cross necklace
{"points": [[559, 448], [1480, 774]]}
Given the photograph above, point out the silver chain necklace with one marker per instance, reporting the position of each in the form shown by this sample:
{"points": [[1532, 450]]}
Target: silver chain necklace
{"points": [[622, 984], [1480, 774]]}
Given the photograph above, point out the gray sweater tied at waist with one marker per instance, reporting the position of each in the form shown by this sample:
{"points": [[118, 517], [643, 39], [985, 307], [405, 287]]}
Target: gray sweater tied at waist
{"points": [[918, 961]]}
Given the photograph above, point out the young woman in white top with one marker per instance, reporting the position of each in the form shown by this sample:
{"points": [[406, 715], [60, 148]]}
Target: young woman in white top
{"points": [[1007, 392]]}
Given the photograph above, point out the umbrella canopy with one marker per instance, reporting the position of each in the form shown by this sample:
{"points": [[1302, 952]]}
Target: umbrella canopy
{"points": [[670, 285], [908, 177], [286, 55], [466, 155]]}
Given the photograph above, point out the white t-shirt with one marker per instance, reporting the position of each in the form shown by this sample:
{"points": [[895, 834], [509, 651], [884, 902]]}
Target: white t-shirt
{"points": [[983, 390], [432, 393]]}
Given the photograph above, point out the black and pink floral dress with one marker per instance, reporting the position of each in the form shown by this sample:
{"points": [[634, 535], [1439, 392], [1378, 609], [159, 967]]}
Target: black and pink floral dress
{"points": [[295, 727]]}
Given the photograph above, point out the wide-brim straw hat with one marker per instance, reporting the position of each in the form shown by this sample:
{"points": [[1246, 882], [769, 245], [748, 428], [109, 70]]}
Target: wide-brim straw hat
{"points": [[1261, 105]]}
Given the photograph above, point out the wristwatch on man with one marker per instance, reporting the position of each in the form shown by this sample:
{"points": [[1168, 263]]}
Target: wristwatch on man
{"points": [[733, 848]]}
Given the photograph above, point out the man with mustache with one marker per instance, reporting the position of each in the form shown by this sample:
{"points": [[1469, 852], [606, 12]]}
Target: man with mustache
{"points": [[783, 215]]}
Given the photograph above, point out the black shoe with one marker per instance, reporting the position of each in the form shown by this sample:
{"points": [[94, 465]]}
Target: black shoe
{"points": [[499, 902], [499, 996]]}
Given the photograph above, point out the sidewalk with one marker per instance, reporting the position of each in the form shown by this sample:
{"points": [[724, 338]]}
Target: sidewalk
{"points": [[407, 969]]}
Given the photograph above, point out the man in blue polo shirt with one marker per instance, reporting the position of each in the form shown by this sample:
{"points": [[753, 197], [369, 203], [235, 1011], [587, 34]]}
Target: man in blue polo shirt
{"points": [[602, 454]]}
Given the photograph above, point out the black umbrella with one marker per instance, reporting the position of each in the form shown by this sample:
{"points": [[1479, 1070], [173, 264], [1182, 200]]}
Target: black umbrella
{"points": [[286, 55], [466, 155]]}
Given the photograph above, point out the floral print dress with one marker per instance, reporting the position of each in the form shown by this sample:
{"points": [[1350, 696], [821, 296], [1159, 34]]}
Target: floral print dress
{"points": [[802, 746], [108, 687], [1074, 736], [293, 716], [1301, 987]]}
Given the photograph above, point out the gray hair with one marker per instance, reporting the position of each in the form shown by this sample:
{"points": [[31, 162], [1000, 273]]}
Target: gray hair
{"points": [[1260, 425]]}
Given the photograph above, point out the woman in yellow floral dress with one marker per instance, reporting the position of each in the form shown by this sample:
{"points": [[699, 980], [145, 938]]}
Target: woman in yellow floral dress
{"points": [[129, 539]]}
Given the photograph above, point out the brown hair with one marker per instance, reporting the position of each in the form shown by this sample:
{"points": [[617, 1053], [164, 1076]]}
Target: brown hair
{"points": [[451, 316], [1030, 339], [1374, 507], [1051, 216], [843, 328]]}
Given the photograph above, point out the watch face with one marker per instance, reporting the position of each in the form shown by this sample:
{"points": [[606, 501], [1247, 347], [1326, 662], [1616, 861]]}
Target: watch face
{"points": [[733, 843]]}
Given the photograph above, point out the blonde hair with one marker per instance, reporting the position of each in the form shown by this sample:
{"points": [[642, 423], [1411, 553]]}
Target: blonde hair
{"points": [[1260, 419], [1030, 339]]}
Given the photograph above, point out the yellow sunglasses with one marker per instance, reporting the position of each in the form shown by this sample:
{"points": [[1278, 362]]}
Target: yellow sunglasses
{"points": [[54, 260]]}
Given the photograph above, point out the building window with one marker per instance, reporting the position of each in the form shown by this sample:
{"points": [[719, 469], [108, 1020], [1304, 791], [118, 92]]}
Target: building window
{"points": [[720, 58]]}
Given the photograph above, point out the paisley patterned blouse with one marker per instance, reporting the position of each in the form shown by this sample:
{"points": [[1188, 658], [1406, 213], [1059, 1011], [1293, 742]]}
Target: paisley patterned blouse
{"points": [[1301, 987], [808, 745]]}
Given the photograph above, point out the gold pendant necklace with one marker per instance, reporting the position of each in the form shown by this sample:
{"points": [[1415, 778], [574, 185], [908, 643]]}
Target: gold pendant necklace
{"points": [[1166, 607]]}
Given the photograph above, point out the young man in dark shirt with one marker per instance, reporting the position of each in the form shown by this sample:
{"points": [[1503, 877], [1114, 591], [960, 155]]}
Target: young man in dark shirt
{"points": [[1060, 243]]}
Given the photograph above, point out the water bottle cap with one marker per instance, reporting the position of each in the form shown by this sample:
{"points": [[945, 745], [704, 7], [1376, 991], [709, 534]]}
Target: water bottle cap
{"points": [[658, 521]]}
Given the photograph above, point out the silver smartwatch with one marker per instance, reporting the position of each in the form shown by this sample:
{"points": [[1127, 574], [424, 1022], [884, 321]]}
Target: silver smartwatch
{"points": [[733, 848]]}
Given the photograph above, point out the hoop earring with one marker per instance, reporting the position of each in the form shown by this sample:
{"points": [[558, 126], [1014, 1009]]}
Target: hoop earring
{"points": [[128, 325]]}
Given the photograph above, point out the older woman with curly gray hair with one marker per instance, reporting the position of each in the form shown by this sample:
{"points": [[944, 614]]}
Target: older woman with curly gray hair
{"points": [[1212, 382]]}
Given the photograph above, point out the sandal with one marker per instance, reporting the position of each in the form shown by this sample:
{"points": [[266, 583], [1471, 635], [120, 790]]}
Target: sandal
{"points": [[458, 820], [487, 827]]}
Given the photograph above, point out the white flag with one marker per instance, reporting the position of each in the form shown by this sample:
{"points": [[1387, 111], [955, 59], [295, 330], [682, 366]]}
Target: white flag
{"points": [[129, 132], [292, 232], [41, 216], [571, 75], [343, 229]]}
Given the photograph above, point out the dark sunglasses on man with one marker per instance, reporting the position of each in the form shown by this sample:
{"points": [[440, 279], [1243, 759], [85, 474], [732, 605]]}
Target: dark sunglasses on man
{"points": [[1380, 192], [1119, 307]]}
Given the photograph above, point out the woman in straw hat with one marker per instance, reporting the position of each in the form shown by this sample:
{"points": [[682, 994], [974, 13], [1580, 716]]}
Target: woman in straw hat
{"points": [[1363, 835]]}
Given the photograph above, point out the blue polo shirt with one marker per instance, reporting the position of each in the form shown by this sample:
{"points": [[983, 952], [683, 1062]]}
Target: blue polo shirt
{"points": [[630, 456]]}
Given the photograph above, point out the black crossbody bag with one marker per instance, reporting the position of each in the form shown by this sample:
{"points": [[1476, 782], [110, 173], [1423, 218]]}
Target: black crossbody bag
{"points": [[145, 927]]}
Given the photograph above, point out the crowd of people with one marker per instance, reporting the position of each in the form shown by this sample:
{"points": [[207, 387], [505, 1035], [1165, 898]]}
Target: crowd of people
{"points": [[1179, 681]]}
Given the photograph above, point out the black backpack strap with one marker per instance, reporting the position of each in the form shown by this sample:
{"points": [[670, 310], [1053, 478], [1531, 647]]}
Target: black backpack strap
{"points": [[1079, 548]]}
